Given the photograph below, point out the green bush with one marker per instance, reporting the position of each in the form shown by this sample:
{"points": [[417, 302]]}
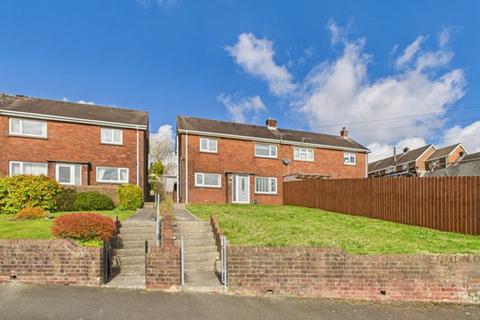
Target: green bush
{"points": [[130, 196], [26, 191], [92, 200], [66, 199]]}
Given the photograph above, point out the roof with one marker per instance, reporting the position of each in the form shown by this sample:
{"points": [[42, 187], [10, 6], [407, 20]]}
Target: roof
{"points": [[443, 152], [262, 132], [62, 109], [462, 169], [411, 155], [471, 157]]}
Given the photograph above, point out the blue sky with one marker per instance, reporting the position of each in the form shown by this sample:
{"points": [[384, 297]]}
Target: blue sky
{"points": [[395, 72]]}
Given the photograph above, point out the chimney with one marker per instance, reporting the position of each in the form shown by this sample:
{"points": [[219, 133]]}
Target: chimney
{"points": [[344, 133], [271, 124]]}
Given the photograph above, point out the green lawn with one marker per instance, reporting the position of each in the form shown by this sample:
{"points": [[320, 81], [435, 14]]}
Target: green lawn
{"points": [[297, 226], [40, 229]]}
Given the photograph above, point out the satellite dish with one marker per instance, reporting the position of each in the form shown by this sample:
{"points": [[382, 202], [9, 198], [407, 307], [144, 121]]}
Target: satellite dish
{"points": [[286, 161]]}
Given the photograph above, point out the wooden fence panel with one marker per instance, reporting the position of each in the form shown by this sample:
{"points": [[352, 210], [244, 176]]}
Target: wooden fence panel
{"points": [[442, 203]]}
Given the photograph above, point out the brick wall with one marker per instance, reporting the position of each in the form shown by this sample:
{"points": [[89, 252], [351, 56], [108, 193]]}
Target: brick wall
{"points": [[50, 262], [163, 264], [331, 273], [74, 142], [239, 156]]}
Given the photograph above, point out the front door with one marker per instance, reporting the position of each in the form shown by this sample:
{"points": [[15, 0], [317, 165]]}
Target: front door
{"points": [[241, 189]]}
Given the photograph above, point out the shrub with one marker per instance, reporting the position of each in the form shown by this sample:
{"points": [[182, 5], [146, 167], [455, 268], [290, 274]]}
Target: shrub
{"points": [[92, 200], [66, 199], [25, 191], [130, 196], [83, 227], [31, 214]]}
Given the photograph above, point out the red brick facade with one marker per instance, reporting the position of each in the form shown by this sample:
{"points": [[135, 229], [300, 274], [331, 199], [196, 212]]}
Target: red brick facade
{"points": [[331, 273], [50, 262], [236, 156], [76, 143]]}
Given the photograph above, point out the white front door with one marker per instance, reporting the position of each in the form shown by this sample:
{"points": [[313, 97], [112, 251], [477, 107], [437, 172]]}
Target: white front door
{"points": [[241, 189], [69, 174]]}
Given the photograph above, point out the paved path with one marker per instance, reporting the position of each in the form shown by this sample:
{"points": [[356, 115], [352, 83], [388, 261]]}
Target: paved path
{"points": [[64, 302], [182, 214]]}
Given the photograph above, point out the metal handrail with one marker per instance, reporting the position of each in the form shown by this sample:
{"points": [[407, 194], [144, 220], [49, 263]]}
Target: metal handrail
{"points": [[158, 229], [182, 263]]}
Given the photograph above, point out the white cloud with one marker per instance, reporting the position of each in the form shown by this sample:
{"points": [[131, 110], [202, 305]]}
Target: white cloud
{"points": [[410, 51], [85, 102], [241, 108], [164, 132], [255, 56], [381, 151], [469, 136]]}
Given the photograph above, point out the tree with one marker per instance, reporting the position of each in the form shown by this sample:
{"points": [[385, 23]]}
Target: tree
{"points": [[162, 150], [155, 177]]}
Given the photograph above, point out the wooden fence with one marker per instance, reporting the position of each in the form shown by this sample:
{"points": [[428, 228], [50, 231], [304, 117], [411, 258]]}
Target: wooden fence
{"points": [[442, 203]]}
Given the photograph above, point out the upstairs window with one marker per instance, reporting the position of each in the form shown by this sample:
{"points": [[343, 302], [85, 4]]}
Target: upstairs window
{"points": [[208, 145], [390, 169], [30, 168], [265, 151], [112, 136], [208, 180], [112, 175], [303, 154], [350, 158], [28, 128]]}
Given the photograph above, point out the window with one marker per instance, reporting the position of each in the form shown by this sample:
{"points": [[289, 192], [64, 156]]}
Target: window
{"points": [[28, 128], [265, 151], [265, 185], [390, 169], [405, 166], [112, 175], [70, 174], [349, 158], [303, 154], [208, 145], [208, 180], [112, 136], [30, 168]]}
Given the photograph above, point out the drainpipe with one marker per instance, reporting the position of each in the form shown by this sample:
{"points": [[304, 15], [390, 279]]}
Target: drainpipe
{"points": [[366, 165], [178, 170], [186, 167], [138, 157]]}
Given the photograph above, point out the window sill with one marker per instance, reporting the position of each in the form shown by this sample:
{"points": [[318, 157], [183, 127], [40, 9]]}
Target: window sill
{"points": [[350, 164], [112, 182], [266, 194], [303, 160], [26, 136], [209, 152], [265, 157], [208, 187], [112, 144]]}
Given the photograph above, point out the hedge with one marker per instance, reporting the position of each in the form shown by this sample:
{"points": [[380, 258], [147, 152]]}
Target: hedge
{"points": [[92, 200], [130, 196]]}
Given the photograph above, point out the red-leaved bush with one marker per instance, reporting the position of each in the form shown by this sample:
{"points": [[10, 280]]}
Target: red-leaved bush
{"points": [[83, 227]]}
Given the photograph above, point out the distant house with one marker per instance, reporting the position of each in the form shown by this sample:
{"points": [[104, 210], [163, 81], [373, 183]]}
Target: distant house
{"points": [[409, 163], [76, 144], [445, 157], [468, 165], [227, 162]]}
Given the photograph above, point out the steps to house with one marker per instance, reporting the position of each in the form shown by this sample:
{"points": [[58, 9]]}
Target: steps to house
{"points": [[129, 250]]}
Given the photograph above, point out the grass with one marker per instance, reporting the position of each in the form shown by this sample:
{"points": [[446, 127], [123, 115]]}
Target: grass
{"points": [[40, 229], [297, 226]]}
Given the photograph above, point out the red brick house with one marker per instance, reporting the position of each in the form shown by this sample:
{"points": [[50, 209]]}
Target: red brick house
{"points": [[227, 162], [76, 144]]}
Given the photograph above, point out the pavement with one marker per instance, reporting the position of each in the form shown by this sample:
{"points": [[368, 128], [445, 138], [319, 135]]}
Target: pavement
{"points": [[21, 301]]}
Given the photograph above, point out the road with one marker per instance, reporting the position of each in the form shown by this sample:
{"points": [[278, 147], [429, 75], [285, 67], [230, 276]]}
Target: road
{"points": [[20, 301]]}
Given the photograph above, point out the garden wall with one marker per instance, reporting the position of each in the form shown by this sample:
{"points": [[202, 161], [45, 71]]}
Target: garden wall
{"points": [[163, 265], [50, 262], [331, 273]]}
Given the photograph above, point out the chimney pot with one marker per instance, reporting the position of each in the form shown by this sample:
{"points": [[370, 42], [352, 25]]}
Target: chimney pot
{"points": [[344, 132], [271, 123]]}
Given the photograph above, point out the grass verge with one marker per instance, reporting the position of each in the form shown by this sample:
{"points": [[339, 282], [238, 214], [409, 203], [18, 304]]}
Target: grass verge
{"points": [[298, 226]]}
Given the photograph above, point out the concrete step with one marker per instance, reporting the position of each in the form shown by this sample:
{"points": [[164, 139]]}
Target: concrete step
{"points": [[183, 223], [195, 243], [132, 261], [196, 235], [201, 279], [135, 269], [137, 230], [131, 244], [127, 281], [199, 265], [200, 249], [207, 257], [138, 223], [128, 252], [136, 237]]}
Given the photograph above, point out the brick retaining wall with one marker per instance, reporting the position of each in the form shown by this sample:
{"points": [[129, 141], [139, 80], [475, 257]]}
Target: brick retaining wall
{"points": [[331, 273], [50, 262]]}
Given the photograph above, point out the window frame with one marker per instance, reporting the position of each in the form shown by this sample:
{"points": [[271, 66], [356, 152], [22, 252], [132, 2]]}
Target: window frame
{"points": [[270, 147], [112, 136], [349, 154], [208, 145], [97, 176], [44, 134], [22, 163], [303, 148], [203, 185], [73, 167], [267, 192]]}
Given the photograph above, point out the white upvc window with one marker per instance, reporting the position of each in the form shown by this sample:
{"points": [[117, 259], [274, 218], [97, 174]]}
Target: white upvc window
{"points": [[30, 168], [112, 175], [208, 145], [265, 185], [303, 154], [208, 180], [111, 136], [265, 151], [390, 169], [68, 174], [350, 158], [27, 128]]}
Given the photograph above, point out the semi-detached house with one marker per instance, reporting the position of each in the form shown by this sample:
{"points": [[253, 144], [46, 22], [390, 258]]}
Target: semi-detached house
{"points": [[76, 144], [227, 162]]}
